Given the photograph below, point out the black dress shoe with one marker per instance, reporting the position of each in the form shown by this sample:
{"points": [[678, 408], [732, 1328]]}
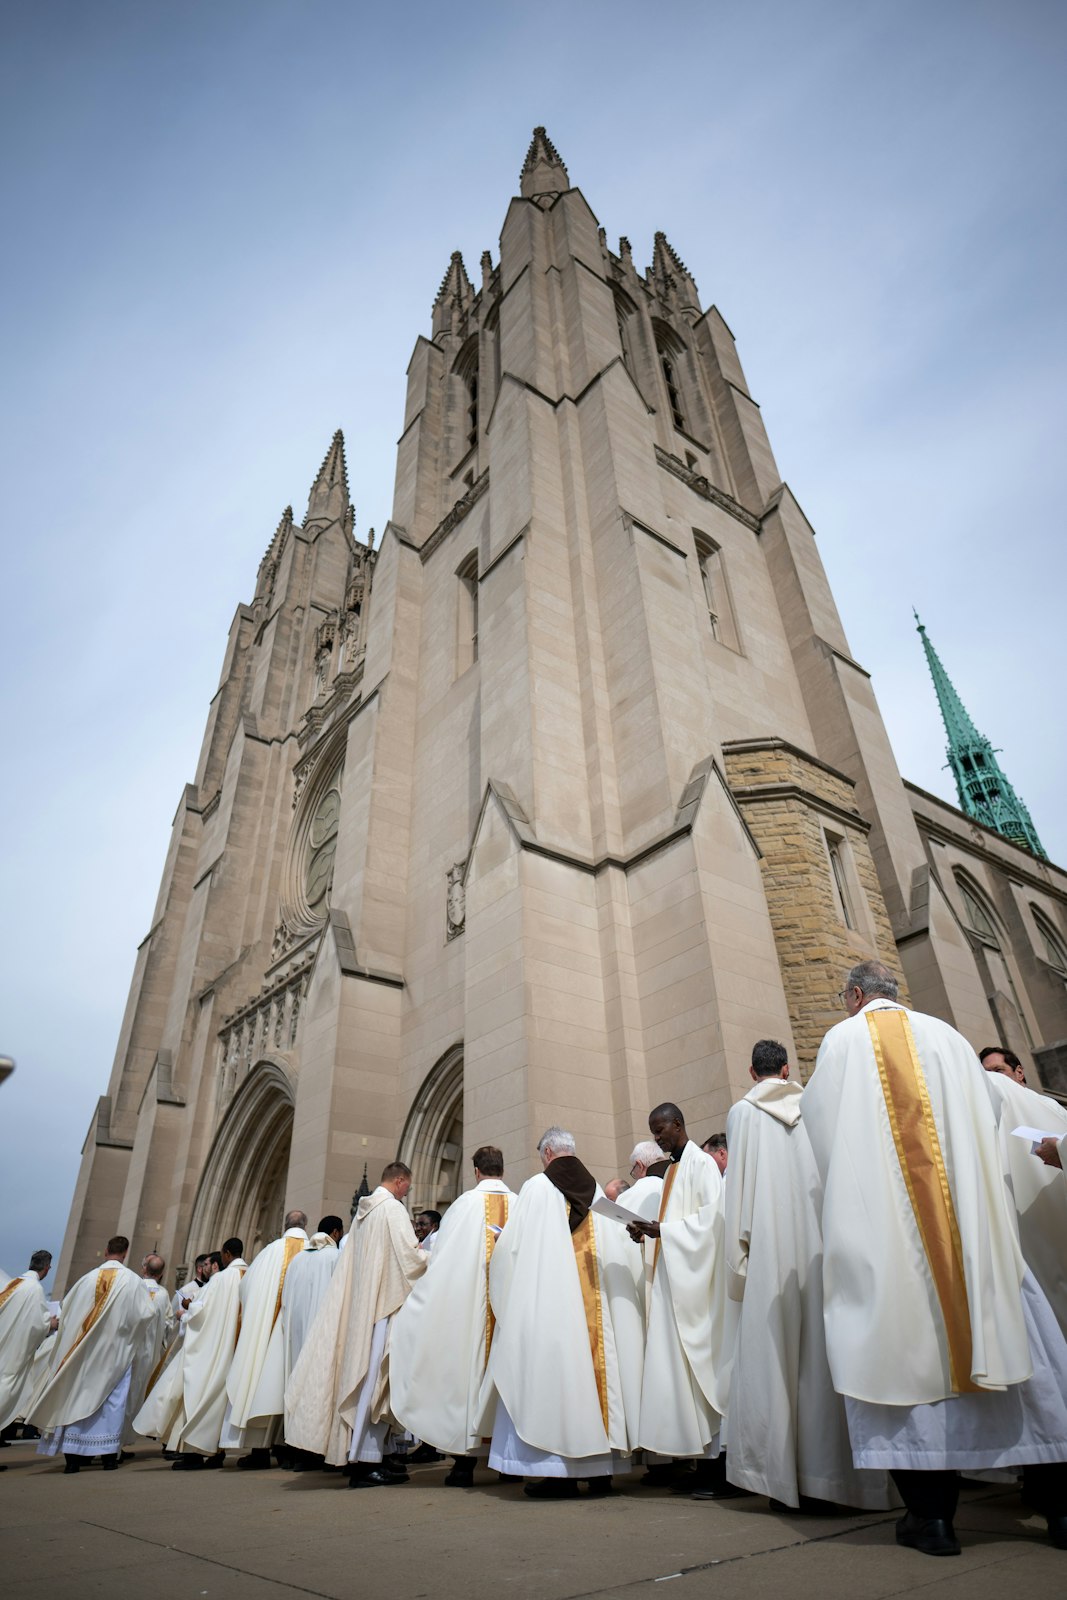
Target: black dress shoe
{"points": [[424, 1454], [73, 1464], [1057, 1531], [374, 1478], [217, 1460], [552, 1489], [187, 1464], [509, 1477], [931, 1535], [258, 1461], [110, 1463], [461, 1477], [658, 1477], [725, 1491], [597, 1488]]}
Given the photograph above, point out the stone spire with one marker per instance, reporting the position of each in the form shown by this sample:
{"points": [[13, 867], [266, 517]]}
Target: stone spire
{"points": [[672, 276], [985, 793], [543, 172], [328, 500], [454, 297]]}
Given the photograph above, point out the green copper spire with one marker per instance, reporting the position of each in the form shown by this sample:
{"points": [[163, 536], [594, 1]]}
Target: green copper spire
{"points": [[985, 793]]}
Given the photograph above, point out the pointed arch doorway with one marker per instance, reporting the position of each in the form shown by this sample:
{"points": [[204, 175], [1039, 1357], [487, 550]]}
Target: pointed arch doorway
{"points": [[432, 1141], [242, 1189]]}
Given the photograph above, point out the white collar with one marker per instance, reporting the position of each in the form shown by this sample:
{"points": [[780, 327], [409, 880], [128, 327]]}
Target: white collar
{"points": [[492, 1186]]}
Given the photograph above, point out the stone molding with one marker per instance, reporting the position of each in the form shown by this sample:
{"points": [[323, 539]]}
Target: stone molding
{"points": [[707, 490], [464, 504]]}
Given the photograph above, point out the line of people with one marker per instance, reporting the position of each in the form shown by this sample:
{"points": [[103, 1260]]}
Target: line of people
{"points": [[872, 1301]]}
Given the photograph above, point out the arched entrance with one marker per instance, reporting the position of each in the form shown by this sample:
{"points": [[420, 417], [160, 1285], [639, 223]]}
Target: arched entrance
{"points": [[432, 1141], [242, 1190]]}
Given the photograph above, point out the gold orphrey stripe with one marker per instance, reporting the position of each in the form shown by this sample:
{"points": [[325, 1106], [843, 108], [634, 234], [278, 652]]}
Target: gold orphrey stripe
{"points": [[496, 1214], [922, 1163], [668, 1185], [104, 1281], [584, 1241], [293, 1248], [7, 1291]]}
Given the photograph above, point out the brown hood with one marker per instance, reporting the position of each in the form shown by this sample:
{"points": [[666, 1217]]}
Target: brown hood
{"points": [[575, 1183]]}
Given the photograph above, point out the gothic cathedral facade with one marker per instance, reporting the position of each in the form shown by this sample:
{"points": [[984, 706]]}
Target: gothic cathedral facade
{"points": [[547, 807]]}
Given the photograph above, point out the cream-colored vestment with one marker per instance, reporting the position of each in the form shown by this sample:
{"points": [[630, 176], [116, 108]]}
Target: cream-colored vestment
{"points": [[786, 1431], [103, 1357], [303, 1292], [1039, 1192], [255, 1386], [948, 1357], [24, 1325], [186, 1406], [566, 1354], [689, 1343], [341, 1376], [442, 1334]]}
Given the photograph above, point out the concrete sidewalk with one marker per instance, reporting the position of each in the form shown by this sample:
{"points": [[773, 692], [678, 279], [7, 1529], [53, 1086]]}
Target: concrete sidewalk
{"points": [[147, 1532]]}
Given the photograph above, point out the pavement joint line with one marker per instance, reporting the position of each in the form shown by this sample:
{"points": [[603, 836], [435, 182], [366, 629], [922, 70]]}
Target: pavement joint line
{"points": [[242, 1572]]}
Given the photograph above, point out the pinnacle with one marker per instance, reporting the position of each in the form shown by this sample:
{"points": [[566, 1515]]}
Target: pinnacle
{"points": [[329, 492], [666, 261], [455, 280], [543, 171]]}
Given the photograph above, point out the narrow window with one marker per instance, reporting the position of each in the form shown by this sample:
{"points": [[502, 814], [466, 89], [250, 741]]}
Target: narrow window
{"points": [[673, 394], [467, 614], [835, 847], [716, 591]]}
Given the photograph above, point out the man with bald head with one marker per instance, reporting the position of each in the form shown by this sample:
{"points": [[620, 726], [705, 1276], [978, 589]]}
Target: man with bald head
{"points": [[683, 1395]]}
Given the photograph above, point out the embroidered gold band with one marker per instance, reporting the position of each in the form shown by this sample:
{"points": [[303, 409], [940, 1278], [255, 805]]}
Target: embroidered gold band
{"points": [[8, 1290], [922, 1163], [293, 1248], [668, 1185], [584, 1241], [496, 1214], [104, 1281]]}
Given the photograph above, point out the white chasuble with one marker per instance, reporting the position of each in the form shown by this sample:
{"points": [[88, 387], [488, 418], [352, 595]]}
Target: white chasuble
{"points": [[566, 1351], [187, 1405], [104, 1344], [786, 1430], [24, 1325], [688, 1346], [1038, 1192], [920, 1252], [255, 1386], [303, 1292], [374, 1276], [435, 1381]]}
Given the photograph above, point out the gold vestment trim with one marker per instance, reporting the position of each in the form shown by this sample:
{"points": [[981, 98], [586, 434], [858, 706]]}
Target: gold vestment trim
{"points": [[668, 1184], [293, 1248], [584, 1241], [496, 1214], [104, 1280], [922, 1164], [7, 1291]]}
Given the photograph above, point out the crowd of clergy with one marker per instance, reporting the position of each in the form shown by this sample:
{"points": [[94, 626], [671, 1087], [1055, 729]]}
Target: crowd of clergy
{"points": [[852, 1298]]}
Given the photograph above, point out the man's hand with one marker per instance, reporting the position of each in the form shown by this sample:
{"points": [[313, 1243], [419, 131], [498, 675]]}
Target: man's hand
{"points": [[1048, 1152], [53, 1324], [642, 1230]]}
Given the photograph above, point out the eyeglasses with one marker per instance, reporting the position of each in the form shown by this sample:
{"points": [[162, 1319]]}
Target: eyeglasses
{"points": [[634, 1168]]}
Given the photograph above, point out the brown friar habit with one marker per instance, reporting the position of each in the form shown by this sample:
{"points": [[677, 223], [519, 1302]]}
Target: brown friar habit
{"points": [[658, 1169], [576, 1184]]}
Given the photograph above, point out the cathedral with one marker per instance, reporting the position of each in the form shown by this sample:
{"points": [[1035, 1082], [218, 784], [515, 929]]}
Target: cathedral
{"points": [[549, 803]]}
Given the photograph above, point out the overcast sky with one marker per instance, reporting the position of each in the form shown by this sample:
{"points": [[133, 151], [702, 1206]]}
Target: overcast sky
{"points": [[225, 225]]}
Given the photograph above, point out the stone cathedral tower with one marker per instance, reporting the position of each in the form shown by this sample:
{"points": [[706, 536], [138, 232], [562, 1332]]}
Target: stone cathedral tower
{"points": [[541, 811]]}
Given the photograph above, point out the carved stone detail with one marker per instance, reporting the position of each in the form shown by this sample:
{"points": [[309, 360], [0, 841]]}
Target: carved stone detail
{"points": [[457, 513], [707, 491], [456, 900]]}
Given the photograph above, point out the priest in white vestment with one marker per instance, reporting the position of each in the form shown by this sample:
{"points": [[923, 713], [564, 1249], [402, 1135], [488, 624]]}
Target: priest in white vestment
{"points": [[187, 1293], [786, 1431], [306, 1284], [101, 1364], [565, 1286], [337, 1402], [1038, 1191], [946, 1350], [689, 1340], [186, 1406], [25, 1323], [255, 1386], [436, 1383], [152, 1270]]}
